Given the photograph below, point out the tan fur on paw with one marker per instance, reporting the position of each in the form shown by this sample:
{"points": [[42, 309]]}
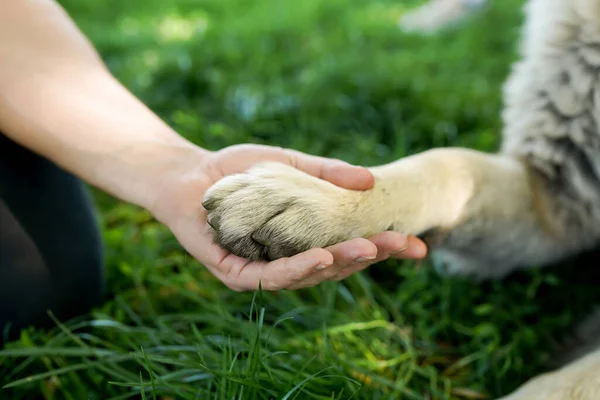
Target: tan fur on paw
{"points": [[275, 211]]}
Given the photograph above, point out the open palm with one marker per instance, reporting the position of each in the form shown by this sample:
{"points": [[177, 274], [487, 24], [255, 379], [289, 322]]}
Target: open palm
{"points": [[184, 215]]}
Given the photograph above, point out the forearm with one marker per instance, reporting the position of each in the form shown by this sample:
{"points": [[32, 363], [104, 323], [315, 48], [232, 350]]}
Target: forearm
{"points": [[58, 99]]}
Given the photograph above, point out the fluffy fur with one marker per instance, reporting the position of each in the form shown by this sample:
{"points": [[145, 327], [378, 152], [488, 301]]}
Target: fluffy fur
{"points": [[533, 203]]}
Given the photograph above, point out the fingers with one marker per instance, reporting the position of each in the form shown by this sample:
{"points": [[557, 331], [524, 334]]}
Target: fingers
{"points": [[396, 245], [387, 244], [239, 274], [377, 248], [303, 270], [350, 254], [350, 270], [335, 171], [347, 176], [239, 158], [317, 265], [353, 251], [416, 250]]}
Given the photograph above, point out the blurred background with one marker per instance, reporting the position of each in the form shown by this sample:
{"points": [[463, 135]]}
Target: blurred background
{"points": [[336, 78]]}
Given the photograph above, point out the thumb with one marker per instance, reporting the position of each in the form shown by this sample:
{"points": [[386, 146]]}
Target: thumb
{"points": [[338, 172], [347, 176]]}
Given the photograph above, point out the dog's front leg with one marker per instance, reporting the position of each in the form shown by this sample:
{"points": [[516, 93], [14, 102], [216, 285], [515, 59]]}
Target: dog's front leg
{"points": [[482, 214]]}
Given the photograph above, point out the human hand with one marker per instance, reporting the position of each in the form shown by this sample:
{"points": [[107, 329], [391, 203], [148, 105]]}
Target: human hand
{"points": [[179, 207]]}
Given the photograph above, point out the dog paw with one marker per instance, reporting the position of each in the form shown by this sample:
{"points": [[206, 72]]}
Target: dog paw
{"points": [[274, 211]]}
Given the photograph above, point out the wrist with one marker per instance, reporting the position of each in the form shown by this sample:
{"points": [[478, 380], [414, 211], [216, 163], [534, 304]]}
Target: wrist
{"points": [[154, 171], [99, 132]]}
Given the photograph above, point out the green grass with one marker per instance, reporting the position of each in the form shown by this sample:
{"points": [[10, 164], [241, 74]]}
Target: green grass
{"points": [[335, 78]]}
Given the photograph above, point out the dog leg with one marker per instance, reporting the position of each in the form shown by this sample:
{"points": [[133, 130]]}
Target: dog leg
{"points": [[482, 214]]}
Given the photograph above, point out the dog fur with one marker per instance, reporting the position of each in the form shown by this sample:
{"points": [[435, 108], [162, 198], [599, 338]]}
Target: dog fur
{"points": [[533, 203], [438, 14]]}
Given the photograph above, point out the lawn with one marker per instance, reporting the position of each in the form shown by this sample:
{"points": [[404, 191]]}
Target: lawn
{"points": [[334, 78]]}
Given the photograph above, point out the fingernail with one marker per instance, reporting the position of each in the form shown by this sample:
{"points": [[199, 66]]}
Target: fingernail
{"points": [[364, 259], [321, 267], [402, 250]]}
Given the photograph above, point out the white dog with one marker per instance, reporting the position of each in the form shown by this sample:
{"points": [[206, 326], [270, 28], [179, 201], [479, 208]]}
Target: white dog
{"points": [[533, 203]]}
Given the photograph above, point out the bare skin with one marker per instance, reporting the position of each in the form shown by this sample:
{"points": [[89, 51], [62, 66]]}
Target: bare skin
{"points": [[58, 99]]}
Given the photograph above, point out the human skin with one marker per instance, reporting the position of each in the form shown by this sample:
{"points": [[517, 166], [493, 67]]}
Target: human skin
{"points": [[58, 99]]}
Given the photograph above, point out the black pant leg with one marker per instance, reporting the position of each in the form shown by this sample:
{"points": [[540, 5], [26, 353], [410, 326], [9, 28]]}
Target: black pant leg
{"points": [[51, 254]]}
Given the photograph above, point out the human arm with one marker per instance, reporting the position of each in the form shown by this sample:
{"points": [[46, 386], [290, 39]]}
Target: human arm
{"points": [[58, 99]]}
